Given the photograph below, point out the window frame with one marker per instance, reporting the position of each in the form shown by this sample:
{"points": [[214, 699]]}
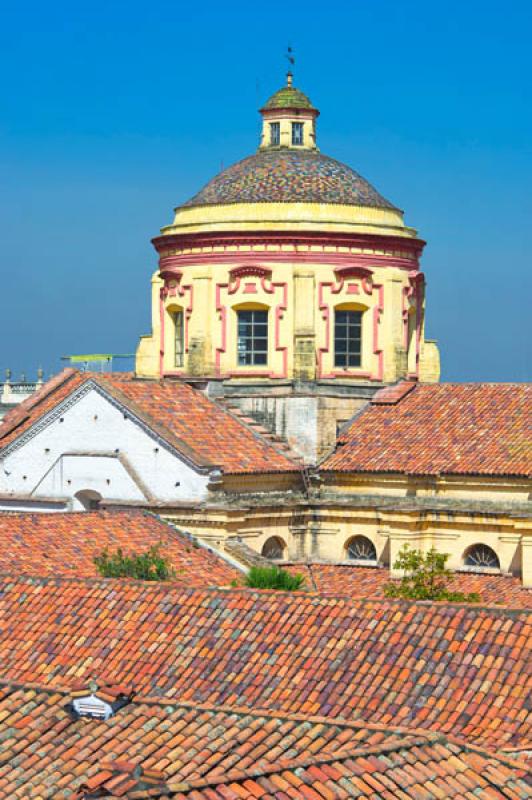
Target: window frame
{"points": [[299, 127], [362, 558], [178, 320], [275, 134], [475, 553], [352, 354], [249, 355]]}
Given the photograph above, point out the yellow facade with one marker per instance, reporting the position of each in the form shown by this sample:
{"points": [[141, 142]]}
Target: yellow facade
{"points": [[299, 260], [450, 515]]}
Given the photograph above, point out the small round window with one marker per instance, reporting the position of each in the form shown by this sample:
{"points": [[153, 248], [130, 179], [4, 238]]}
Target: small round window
{"points": [[481, 556], [361, 549]]}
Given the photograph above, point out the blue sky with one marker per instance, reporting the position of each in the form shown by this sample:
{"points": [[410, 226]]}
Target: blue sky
{"points": [[112, 113]]}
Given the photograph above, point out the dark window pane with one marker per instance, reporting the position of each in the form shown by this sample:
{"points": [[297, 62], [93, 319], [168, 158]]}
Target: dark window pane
{"points": [[347, 338], [297, 133], [252, 344]]}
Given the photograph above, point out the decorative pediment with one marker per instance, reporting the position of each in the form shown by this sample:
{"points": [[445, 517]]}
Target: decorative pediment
{"points": [[249, 270], [353, 271]]}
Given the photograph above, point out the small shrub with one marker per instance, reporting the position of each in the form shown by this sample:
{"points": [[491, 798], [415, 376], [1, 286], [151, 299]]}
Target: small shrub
{"points": [[425, 577], [148, 566], [274, 578]]}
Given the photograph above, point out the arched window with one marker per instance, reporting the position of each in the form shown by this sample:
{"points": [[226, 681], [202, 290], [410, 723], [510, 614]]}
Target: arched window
{"points": [[480, 556], [360, 548], [179, 338], [252, 337], [347, 338], [273, 548]]}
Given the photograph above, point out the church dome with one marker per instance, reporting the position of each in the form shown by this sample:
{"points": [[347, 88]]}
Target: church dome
{"points": [[288, 185], [289, 176]]}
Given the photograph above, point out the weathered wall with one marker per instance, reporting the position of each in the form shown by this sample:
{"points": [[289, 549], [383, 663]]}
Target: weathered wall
{"points": [[308, 423], [90, 444], [323, 530]]}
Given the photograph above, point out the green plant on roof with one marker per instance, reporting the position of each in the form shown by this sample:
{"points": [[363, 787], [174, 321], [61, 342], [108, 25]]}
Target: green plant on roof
{"points": [[425, 577], [148, 566], [274, 578]]}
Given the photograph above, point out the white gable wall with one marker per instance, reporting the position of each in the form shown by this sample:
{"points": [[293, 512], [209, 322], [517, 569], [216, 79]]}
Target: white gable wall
{"points": [[95, 445]]}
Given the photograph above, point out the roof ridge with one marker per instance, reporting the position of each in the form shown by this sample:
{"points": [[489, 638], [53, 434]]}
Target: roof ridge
{"points": [[20, 413], [300, 596], [344, 753], [158, 427]]}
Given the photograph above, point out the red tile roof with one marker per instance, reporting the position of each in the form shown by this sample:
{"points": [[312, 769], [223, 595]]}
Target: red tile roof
{"points": [[199, 428], [438, 429], [158, 749], [457, 669], [66, 544], [414, 768], [355, 581]]}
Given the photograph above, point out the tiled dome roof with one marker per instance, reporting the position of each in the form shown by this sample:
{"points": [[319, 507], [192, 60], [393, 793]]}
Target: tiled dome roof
{"points": [[288, 97], [289, 176]]}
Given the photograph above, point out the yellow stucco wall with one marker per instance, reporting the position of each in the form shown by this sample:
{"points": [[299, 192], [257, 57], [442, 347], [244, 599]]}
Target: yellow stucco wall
{"points": [[324, 532], [301, 301]]}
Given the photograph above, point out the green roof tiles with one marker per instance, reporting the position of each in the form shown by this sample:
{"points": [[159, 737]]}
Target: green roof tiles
{"points": [[288, 97]]}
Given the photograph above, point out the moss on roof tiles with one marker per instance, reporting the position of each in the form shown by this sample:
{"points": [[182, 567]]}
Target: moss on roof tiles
{"points": [[288, 97]]}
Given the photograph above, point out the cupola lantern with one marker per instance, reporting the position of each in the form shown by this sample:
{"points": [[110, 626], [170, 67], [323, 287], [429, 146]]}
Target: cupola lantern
{"points": [[289, 119]]}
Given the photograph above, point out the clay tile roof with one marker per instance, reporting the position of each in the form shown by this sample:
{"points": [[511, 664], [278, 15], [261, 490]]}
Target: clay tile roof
{"points": [[416, 768], [288, 97], [200, 429], [447, 428], [153, 748], [289, 176], [462, 670], [66, 544], [357, 581]]}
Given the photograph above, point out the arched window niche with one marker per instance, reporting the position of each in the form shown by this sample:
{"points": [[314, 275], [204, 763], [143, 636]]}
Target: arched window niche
{"points": [[88, 499], [361, 550], [481, 558], [274, 548], [252, 334], [349, 336]]}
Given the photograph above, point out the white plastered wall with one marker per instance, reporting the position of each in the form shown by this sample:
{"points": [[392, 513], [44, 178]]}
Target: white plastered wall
{"points": [[96, 445]]}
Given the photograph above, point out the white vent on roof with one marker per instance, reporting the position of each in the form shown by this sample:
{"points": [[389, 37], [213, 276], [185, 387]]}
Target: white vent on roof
{"points": [[92, 706]]}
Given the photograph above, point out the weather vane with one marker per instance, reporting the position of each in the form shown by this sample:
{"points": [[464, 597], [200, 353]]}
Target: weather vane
{"points": [[291, 61], [290, 56]]}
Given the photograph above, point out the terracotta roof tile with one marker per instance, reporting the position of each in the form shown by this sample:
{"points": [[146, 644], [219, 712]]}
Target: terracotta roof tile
{"points": [[66, 544], [357, 581], [117, 760], [457, 669], [441, 428], [204, 431]]}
